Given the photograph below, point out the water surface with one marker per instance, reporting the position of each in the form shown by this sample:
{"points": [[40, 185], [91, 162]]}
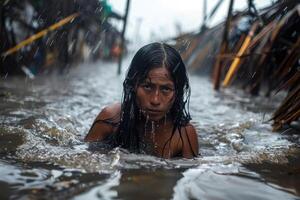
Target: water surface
{"points": [[43, 123]]}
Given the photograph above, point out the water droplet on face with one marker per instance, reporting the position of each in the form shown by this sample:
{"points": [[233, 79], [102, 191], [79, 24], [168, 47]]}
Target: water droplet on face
{"points": [[152, 127], [153, 131], [146, 123]]}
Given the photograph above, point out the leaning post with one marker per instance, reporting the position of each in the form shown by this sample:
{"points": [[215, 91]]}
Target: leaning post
{"points": [[123, 36], [223, 48]]}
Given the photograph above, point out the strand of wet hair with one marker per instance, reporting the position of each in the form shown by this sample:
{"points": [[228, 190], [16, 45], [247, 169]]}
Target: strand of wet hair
{"points": [[176, 67], [165, 55]]}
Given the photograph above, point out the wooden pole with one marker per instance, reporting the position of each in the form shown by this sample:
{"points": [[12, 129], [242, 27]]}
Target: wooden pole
{"points": [[223, 48], [212, 13], [204, 15], [123, 36]]}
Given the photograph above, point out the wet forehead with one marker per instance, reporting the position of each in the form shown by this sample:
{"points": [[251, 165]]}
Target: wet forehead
{"points": [[161, 75]]}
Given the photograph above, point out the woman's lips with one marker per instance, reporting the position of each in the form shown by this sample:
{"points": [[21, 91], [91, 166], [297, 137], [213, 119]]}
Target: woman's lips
{"points": [[154, 112]]}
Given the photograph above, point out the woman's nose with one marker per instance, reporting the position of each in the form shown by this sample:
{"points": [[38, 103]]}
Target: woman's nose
{"points": [[155, 99]]}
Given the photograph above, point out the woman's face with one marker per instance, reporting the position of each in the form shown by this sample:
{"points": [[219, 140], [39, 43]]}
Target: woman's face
{"points": [[156, 94]]}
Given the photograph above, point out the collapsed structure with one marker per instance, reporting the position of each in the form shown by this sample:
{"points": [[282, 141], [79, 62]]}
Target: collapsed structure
{"points": [[38, 36], [258, 50]]}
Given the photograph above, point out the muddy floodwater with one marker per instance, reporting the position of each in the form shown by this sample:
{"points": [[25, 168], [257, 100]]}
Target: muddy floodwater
{"points": [[43, 156]]}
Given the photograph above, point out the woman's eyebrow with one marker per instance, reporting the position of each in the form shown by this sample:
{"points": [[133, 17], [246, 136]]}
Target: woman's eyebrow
{"points": [[146, 80], [168, 85]]}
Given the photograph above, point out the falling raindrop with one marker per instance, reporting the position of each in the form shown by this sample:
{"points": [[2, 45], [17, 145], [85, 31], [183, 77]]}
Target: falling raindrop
{"points": [[51, 43], [72, 20], [98, 10], [187, 44], [36, 52]]}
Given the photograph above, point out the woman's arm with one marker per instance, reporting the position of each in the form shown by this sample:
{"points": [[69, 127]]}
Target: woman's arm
{"points": [[190, 146]]}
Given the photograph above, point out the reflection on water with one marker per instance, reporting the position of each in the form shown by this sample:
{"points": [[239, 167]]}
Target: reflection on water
{"points": [[43, 123], [226, 182]]}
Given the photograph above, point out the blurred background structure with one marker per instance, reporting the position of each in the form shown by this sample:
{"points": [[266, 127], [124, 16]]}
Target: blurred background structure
{"points": [[39, 36]]}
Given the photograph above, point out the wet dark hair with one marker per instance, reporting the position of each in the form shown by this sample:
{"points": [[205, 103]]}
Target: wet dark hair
{"points": [[151, 56]]}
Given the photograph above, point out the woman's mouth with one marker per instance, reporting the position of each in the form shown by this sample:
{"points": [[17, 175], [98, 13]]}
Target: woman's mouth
{"points": [[153, 112]]}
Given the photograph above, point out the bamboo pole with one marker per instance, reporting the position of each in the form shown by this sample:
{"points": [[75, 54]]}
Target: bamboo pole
{"points": [[123, 36], [39, 35], [235, 64], [262, 34]]}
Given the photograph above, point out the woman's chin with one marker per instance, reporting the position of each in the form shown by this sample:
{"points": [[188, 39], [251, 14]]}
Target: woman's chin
{"points": [[156, 117]]}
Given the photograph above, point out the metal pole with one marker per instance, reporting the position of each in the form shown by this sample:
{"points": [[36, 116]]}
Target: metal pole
{"points": [[123, 36]]}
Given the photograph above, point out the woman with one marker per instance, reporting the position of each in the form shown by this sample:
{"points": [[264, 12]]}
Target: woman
{"points": [[153, 117]]}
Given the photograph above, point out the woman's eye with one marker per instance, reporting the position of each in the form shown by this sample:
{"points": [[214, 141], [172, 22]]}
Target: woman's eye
{"points": [[166, 89], [146, 87]]}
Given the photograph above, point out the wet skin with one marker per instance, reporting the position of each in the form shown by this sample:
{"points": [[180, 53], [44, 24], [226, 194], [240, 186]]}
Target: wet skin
{"points": [[156, 94], [155, 97]]}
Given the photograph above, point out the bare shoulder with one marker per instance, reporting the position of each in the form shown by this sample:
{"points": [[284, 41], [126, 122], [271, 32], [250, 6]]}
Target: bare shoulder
{"points": [[190, 147], [100, 129], [110, 112]]}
